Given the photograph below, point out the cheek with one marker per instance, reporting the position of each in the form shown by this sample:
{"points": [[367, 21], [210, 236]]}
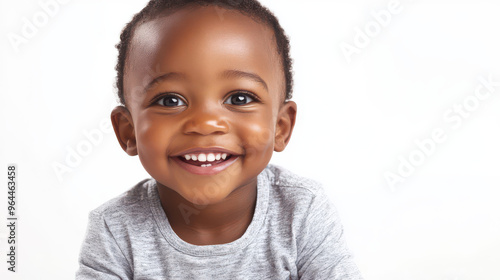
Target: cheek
{"points": [[259, 138], [152, 138]]}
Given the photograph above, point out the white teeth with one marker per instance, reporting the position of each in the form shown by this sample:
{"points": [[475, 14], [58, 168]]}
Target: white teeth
{"points": [[202, 157], [206, 165], [210, 157]]}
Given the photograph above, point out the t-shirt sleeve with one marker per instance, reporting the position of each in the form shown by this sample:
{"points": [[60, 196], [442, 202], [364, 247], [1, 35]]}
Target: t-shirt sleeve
{"points": [[100, 256], [322, 250]]}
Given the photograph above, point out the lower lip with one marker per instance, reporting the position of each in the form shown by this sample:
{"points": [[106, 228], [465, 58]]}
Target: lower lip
{"points": [[209, 170]]}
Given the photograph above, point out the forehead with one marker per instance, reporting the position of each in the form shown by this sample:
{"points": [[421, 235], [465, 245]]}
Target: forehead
{"points": [[202, 42]]}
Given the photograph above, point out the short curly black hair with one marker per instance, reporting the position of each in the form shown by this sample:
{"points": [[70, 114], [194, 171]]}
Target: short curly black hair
{"points": [[252, 8]]}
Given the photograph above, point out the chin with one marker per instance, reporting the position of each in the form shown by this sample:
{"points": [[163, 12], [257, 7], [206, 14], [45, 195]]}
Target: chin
{"points": [[207, 197]]}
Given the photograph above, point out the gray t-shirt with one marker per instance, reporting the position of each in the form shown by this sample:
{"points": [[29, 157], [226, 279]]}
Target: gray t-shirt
{"points": [[295, 233]]}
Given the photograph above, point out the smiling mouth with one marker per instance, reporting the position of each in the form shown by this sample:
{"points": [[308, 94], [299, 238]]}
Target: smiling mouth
{"points": [[204, 161]]}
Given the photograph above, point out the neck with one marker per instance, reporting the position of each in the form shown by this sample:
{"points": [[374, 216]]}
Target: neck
{"points": [[228, 218]]}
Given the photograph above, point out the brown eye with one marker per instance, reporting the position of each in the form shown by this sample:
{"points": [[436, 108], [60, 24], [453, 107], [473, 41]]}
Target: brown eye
{"points": [[170, 101], [239, 99]]}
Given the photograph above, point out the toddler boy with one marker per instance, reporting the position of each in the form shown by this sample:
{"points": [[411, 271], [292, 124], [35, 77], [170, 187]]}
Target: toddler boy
{"points": [[205, 90]]}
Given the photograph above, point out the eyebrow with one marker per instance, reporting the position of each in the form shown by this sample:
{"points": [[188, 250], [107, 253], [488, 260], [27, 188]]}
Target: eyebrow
{"points": [[242, 74], [227, 74], [166, 76]]}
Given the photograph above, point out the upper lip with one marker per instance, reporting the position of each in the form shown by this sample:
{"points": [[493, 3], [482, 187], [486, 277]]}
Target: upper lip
{"points": [[205, 151]]}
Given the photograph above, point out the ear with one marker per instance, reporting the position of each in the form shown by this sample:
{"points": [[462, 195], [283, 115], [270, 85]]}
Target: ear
{"points": [[284, 125], [124, 129]]}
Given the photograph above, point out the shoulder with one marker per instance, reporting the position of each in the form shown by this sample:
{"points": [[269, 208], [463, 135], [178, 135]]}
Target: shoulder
{"points": [[295, 192], [132, 200], [115, 223], [286, 181]]}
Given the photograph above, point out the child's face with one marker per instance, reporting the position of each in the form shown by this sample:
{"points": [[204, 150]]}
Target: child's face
{"points": [[212, 51]]}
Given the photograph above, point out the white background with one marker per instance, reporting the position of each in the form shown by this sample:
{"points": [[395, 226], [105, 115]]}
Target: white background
{"points": [[356, 121]]}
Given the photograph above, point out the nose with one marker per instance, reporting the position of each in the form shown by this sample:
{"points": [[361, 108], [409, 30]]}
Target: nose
{"points": [[205, 122]]}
